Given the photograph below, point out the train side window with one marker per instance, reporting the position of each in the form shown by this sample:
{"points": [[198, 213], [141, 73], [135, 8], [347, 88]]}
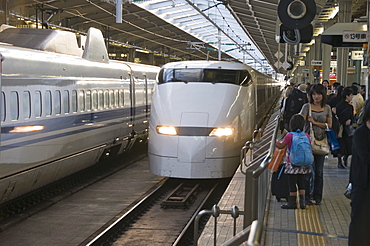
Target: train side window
{"points": [[88, 100], [121, 98], [26, 104], [106, 99], [14, 105], [74, 101], [3, 110], [37, 107], [116, 98], [100, 99], [95, 99], [66, 101], [81, 101], [57, 102], [111, 99], [47, 102]]}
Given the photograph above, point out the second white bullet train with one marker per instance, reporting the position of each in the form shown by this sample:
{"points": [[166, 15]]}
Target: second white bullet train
{"points": [[202, 114], [65, 106]]}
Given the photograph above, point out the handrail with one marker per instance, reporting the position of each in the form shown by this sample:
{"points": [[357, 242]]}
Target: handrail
{"points": [[266, 161]]}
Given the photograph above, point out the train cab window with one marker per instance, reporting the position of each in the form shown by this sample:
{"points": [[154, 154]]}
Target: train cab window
{"points": [[94, 97], [100, 99], [121, 98], [237, 77], [57, 102], [14, 105], [47, 102], [81, 101], [66, 101], [111, 99], [26, 104], [74, 101], [106, 99], [180, 75], [88, 100], [37, 106], [3, 111]]}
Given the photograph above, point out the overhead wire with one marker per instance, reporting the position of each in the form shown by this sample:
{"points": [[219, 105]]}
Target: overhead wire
{"points": [[75, 12]]}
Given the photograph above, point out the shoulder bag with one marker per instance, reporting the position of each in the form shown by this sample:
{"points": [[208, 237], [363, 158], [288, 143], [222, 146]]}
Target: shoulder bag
{"points": [[319, 147]]}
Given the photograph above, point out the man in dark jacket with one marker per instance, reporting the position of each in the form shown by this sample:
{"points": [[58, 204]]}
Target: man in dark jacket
{"points": [[294, 103]]}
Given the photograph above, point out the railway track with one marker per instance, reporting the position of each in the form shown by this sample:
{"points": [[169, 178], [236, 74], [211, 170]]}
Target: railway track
{"points": [[17, 210], [163, 217]]}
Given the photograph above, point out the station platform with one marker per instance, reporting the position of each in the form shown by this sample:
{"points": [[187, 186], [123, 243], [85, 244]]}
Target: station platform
{"points": [[324, 224]]}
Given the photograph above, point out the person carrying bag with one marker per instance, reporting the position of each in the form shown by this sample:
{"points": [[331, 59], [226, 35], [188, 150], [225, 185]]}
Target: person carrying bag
{"points": [[317, 114], [319, 147], [298, 161]]}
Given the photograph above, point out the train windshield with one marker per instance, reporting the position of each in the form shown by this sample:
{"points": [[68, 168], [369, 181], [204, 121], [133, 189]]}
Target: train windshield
{"points": [[187, 75]]}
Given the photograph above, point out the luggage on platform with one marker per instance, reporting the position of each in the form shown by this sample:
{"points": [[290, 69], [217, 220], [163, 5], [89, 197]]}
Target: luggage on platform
{"points": [[279, 184]]}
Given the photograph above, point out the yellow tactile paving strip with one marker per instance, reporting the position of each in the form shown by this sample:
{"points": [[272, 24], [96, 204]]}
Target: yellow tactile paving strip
{"points": [[308, 220]]}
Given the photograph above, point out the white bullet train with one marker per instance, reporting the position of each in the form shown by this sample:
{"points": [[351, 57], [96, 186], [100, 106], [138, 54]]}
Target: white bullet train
{"points": [[64, 106], [202, 113]]}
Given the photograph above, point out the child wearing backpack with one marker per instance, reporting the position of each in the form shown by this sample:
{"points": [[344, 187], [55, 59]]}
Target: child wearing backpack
{"points": [[298, 161]]}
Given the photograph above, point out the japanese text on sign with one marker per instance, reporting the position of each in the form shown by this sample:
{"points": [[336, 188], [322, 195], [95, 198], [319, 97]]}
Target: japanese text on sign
{"points": [[355, 36]]}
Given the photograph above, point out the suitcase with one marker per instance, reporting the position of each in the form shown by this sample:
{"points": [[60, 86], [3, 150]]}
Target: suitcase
{"points": [[280, 184]]}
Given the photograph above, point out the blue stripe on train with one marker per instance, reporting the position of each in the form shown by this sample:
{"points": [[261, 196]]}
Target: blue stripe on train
{"points": [[68, 122]]}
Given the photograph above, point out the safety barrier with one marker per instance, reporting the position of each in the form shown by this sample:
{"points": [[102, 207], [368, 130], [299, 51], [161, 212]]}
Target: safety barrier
{"points": [[257, 183]]}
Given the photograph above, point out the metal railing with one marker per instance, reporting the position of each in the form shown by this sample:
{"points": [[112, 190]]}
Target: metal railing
{"points": [[215, 212], [257, 182]]}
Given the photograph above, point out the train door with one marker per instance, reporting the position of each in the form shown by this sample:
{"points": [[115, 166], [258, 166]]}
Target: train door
{"points": [[146, 98], [132, 100]]}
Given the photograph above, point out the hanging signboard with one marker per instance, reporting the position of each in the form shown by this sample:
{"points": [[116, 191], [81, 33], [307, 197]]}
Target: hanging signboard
{"points": [[355, 36], [316, 63], [357, 55]]}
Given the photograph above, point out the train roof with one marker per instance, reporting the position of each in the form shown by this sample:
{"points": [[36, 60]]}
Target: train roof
{"points": [[206, 64], [42, 39], [92, 48]]}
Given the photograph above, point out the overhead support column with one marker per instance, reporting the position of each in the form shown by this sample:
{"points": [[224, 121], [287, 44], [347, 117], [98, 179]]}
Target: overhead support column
{"points": [[118, 11], [344, 15], [326, 56], [151, 58], [311, 56], [131, 55], [318, 56]]}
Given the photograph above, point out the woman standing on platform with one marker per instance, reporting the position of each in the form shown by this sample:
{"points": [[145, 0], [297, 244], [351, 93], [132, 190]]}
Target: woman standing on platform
{"points": [[320, 116], [344, 111], [359, 228]]}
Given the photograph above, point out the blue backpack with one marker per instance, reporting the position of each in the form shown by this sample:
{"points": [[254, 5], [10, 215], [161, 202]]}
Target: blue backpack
{"points": [[301, 151]]}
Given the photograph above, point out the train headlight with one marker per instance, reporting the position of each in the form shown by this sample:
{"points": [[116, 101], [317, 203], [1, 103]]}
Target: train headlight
{"points": [[222, 132], [166, 130]]}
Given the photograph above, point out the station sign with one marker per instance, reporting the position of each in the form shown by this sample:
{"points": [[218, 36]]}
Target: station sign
{"points": [[355, 36], [316, 63], [357, 55]]}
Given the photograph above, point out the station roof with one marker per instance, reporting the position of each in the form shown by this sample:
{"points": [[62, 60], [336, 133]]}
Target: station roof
{"points": [[244, 30]]}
